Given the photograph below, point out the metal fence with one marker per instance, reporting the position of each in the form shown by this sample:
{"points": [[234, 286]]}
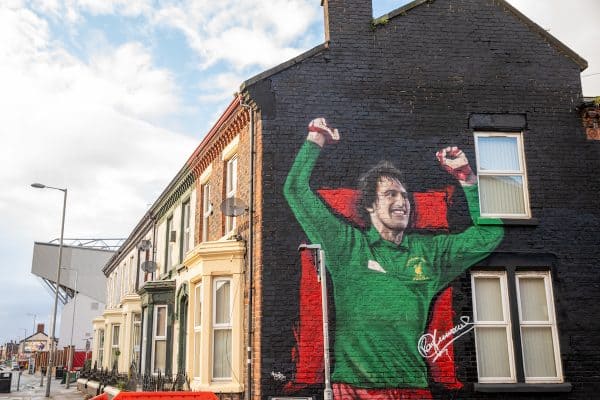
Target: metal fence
{"points": [[134, 382]]}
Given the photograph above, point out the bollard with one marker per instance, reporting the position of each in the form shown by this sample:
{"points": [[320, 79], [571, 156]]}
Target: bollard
{"points": [[19, 379]]}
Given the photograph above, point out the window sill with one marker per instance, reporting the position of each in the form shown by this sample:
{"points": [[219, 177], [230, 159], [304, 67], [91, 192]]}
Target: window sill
{"points": [[508, 221], [523, 387]]}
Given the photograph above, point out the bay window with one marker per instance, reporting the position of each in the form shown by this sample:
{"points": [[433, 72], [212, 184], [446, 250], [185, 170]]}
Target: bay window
{"points": [[222, 329]]}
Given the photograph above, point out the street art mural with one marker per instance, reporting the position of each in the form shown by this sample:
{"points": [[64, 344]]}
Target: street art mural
{"points": [[385, 278]]}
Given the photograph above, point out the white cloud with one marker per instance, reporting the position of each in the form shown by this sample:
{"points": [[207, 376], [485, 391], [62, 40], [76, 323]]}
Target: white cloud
{"points": [[127, 79], [249, 33], [88, 126]]}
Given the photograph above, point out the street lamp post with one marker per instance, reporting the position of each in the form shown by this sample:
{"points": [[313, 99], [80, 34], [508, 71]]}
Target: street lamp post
{"points": [[60, 248], [71, 347], [34, 327], [320, 262]]}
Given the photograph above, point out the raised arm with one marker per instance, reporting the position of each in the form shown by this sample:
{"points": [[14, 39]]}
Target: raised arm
{"points": [[315, 218], [461, 251]]}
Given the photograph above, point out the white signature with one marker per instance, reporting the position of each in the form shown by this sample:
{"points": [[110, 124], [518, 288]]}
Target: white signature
{"points": [[431, 345], [278, 376]]}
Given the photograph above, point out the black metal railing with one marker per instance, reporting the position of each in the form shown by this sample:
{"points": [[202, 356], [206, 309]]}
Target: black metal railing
{"points": [[133, 381]]}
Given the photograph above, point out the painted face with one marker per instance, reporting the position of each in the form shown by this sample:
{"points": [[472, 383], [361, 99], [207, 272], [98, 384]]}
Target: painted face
{"points": [[391, 210]]}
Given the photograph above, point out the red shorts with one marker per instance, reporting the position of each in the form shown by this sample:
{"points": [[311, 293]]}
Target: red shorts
{"points": [[343, 391]]}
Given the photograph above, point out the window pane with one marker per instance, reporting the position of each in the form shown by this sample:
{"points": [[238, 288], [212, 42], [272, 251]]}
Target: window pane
{"points": [[197, 355], [137, 332], [498, 153], [222, 354], [538, 352], [222, 303], [534, 306], [160, 355], [115, 338], [198, 307], [161, 319], [492, 351], [501, 194], [488, 299]]}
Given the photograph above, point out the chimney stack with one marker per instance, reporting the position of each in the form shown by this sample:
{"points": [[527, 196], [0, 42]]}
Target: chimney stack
{"points": [[40, 328], [347, 21]]}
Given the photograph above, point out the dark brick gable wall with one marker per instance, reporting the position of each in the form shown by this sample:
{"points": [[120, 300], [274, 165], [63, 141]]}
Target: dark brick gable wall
{"points": [[401, 91]]}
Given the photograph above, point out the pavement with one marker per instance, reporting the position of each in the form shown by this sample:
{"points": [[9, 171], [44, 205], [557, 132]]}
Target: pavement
{"points": [[30, 389]]}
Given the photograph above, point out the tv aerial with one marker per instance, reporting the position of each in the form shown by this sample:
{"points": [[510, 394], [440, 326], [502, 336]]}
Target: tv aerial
{"points": [[233, 207], [148, 266], [145, 245]]}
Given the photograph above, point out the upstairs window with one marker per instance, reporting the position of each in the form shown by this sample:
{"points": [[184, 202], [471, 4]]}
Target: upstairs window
{"points": [[206, 210], [169, 245], [185, 229], [230, 189], [502, 175]]}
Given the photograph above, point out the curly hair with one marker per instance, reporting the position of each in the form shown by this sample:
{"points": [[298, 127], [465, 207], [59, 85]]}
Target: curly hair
{"points": [[367, 184]]}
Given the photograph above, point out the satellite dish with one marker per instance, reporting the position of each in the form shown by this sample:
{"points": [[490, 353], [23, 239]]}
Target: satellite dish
{"points": [[148, 266], [232, 207]]}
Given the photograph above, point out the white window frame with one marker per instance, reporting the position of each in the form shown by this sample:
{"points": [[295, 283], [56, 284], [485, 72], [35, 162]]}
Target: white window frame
{"points": [[168, 244], [506, 301], [506, 324], [156, 338], [221, 326], [198, 300], [186, 227], [522, 172], [206, 210], [124, 278], [114, 347], [100, 347], [551, 323], [145, 327], [132, 273], [136, 338], [231, 181]]}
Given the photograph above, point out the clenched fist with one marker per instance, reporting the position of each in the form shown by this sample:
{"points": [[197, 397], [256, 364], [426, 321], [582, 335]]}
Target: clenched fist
{"points": [[321, 133], [455, 162]]}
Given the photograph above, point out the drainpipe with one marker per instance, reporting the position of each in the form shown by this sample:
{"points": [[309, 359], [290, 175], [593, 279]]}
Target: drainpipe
{"points": [[250, 250]]}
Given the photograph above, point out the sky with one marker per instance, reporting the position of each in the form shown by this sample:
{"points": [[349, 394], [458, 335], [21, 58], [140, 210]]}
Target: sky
{"points": [[108, 98]]}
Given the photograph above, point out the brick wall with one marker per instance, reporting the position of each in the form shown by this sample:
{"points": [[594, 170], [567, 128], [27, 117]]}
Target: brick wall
{"points": [[591, 121], [400, 91]]}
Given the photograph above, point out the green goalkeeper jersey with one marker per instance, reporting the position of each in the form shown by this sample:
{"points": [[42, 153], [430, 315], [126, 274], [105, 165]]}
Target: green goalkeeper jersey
{"points": [[382, 290]]}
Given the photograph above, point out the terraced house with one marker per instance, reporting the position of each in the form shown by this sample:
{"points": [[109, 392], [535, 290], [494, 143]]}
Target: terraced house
{"points": [[470, 274], [176, 287]]}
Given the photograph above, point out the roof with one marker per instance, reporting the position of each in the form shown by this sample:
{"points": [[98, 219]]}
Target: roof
{"points": [[557, 44], [36, 336], [283, 66]]}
